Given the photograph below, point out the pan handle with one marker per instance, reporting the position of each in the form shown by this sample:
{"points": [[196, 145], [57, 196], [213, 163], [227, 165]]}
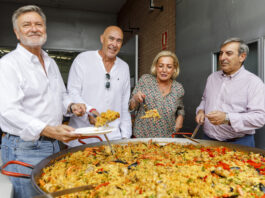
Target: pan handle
{"points": [[14, 174], [180, 133], [85, 137]]}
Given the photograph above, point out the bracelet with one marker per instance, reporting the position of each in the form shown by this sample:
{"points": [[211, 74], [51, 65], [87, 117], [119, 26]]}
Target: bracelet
{"points": [[93, 109]]}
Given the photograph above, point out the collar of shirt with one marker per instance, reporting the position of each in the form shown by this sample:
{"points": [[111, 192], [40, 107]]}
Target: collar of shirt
{"points": [[223, 75], [103, 66], [32, 57]]}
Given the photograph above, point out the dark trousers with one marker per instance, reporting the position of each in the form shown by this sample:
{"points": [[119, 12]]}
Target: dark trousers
{"points": [[247, 140]]}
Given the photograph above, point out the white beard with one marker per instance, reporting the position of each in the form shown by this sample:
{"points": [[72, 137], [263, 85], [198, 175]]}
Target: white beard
{"points": [[31, 42]]}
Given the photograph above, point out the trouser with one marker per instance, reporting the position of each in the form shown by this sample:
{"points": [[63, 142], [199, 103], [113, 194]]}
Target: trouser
{"points": [[31, 152], [247, 140]]}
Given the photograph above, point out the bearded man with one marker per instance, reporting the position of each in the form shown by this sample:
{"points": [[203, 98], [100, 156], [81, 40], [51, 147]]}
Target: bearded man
{"points": [[33, 99]]}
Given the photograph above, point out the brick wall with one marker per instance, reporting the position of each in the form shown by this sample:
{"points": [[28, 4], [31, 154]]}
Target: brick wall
{"points": [[151, 24]]}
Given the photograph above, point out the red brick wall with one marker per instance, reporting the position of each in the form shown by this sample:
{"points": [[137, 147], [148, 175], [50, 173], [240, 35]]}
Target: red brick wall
{"points": [[152, 24]]}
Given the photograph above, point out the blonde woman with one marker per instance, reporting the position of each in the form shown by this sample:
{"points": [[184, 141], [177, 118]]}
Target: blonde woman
{"points": [[160, 91]]}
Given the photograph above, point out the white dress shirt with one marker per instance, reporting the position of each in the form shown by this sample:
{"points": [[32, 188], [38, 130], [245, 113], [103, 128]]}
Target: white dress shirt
{"points": [[87, 84], [29, 99]]}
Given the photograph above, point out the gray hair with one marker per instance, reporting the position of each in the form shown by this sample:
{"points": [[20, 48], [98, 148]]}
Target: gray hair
{"points": [[243, 47], [25, 9]]}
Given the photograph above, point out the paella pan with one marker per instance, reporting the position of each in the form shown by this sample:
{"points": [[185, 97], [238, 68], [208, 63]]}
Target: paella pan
{"points": [[155, 169]]}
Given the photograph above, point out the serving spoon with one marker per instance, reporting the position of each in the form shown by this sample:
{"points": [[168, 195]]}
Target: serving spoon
{"points": [[105, 135], [65, 191], [193, 134], [145, 105]]}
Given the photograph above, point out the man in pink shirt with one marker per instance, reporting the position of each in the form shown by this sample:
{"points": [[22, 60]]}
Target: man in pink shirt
{"points": [[233, 102]]}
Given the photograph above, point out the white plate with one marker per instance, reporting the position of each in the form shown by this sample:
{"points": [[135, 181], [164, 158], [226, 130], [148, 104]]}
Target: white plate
{"points": [[94, 130]]}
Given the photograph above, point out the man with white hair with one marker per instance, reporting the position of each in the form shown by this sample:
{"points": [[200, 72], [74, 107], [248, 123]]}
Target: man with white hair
{"points": [[33, 99]]}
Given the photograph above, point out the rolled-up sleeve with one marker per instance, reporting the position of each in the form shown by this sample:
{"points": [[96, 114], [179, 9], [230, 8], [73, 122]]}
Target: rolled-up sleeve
{"points": [[180, 93]]}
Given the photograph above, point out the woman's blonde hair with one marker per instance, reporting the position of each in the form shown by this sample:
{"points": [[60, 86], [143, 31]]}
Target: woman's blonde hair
{"points": [[166, 54]]}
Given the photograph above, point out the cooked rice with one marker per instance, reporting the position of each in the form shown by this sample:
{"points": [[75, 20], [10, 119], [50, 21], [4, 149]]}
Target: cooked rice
{"points": [[171, 170]]}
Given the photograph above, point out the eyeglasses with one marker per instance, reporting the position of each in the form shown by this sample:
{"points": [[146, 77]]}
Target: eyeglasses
{"points": [[107, 85]]}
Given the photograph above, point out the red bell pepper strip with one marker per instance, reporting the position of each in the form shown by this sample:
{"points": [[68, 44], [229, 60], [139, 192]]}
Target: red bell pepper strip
{"points": [[224, 165], [100, 185], [254, 164]]}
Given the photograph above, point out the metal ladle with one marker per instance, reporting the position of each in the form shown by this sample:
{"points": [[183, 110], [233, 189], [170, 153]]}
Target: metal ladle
{"points": [[106, 137]]}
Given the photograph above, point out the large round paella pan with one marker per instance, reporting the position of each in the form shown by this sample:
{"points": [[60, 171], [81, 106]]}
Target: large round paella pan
{"points": [[157, 167]]}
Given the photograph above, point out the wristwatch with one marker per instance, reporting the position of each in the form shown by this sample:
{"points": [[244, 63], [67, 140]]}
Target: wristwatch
{"points": [[70, 108], [227, 120]]}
